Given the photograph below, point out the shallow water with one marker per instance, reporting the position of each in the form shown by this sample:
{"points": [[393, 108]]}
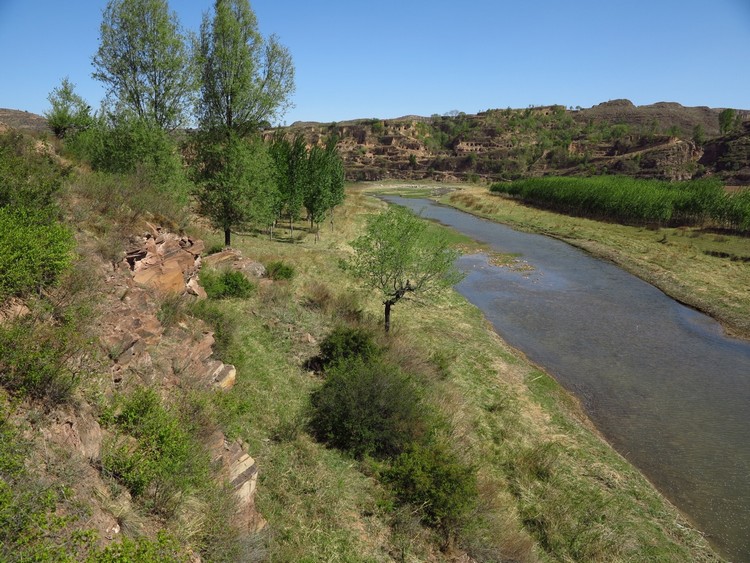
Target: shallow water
{"points": [[661, 381]]}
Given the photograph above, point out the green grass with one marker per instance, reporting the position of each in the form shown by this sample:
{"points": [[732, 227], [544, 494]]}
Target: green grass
{"points": [[549, 487]]}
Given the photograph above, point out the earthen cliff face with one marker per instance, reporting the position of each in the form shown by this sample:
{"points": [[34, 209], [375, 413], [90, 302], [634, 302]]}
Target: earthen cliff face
{"points": [[664, 141]]}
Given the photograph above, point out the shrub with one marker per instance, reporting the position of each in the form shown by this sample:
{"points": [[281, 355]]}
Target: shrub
{"points": [[368, 409], [432, 479], [32, 524], [346, 343], [279, 271], [164, 549], [150, 177], [35, 359], [159, 458], [226, 284], [214, 249], [29, 177], [34, 252]]}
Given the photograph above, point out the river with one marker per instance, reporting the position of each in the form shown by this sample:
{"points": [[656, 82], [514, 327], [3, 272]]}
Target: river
{"points": [[661, 381]]}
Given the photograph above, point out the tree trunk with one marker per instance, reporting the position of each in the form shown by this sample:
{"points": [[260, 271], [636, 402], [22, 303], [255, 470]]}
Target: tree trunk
{"points": [[227, 237], [388, 316]]}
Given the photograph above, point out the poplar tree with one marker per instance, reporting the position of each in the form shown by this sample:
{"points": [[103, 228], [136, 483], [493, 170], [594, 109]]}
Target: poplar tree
{"points": [[245, 79], [143, 61]]}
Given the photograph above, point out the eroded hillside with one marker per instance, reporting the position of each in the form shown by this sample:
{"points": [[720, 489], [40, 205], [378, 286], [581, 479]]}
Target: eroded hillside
{"points": [[663, 140]]}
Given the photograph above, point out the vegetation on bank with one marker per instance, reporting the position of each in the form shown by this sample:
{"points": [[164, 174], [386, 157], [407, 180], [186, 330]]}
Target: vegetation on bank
{"points": [[486, 456], [706, 269], [640, 202], [434, 443]]}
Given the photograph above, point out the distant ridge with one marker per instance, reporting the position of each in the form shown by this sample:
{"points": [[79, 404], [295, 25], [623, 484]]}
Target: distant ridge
{"points": [[24, 120]]}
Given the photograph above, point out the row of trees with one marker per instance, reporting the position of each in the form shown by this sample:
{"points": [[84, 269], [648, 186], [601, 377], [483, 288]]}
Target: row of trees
{"points": [[230, 81], [243, 181]]}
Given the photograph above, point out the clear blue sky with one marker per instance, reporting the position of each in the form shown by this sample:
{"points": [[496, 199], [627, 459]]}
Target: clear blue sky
{"points": [[389, 58]]}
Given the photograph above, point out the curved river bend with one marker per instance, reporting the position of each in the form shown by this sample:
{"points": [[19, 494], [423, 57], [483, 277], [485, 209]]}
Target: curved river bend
{"points": [[660, 380]]}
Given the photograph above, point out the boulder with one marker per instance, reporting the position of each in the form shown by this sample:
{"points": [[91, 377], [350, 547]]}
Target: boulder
{"points": [[165, 262]]}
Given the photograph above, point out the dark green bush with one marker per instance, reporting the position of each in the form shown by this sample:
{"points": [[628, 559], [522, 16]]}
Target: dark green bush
{"points": [[279, 271], [34, 252], [29, 177], [346, 343], [433, 479], [226, 284], [369, 408]]}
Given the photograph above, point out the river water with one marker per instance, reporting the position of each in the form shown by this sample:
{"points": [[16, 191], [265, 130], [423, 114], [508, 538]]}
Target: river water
{"points": [[661, 381]]}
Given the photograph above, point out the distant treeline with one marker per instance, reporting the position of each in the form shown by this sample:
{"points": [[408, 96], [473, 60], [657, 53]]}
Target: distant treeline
{"points": [[702, 202]]}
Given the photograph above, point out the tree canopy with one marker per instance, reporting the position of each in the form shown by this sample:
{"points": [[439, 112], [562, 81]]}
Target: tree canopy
{"points": [[245, 79], [398, 255], [143, 60], [236, 182]]}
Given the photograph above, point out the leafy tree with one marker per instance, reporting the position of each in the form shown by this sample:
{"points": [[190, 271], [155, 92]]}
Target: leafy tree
{"points": [[245, 80], [336, 175], [143, 61], [397, 256], [325, 182], [727, 120], [290, 161], [699, 135], [235, 180], [69, 113]]}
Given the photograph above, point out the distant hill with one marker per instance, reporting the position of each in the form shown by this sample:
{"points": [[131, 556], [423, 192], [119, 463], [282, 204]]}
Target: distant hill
{"points": [[17, 119], [664, 140]]}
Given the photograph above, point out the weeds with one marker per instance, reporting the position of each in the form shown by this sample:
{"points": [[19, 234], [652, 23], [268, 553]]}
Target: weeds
{"points": [[153, 456]]}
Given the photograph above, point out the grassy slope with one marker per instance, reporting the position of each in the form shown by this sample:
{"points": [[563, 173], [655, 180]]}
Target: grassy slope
{"points": [[671, 259], [552, 488]]}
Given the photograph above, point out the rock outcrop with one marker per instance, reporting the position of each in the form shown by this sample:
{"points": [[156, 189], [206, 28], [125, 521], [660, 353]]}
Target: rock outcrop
{"points": [[141, 351], [165, 262], [230, 258]]}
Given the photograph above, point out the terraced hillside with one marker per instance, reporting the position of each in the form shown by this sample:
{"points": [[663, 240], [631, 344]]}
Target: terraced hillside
{"points": [[663, 140]]}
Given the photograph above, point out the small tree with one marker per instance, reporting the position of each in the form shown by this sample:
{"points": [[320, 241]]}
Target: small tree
{"points": [[398, 256], [70, 113], [235, 182], [727, 120]]}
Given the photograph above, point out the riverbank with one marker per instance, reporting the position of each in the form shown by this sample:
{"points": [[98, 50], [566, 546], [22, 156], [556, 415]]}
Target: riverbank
{"points": [[551, 487], [691, 266]]}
